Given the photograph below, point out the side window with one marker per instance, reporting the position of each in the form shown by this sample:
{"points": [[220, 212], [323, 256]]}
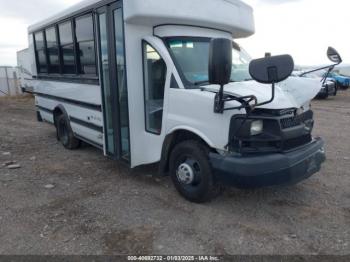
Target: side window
{"points": [[84, 29], [67, 47], [52, 50], [40, 52], [155, 71]]}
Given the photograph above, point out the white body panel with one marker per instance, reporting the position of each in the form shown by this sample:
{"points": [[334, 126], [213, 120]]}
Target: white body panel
{"points": [[24, 66], [80, 92], [67, 12], [90, 94], [230, 15], [195, 114]]}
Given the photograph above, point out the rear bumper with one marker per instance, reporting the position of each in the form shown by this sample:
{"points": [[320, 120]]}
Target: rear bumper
{"points": [[270, 169]]}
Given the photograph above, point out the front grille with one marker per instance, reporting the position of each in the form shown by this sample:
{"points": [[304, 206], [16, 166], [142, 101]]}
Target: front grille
{"points": [[296, 142], [296, 120]]}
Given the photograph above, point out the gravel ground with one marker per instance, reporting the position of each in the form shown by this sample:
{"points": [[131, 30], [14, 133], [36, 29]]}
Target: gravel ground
{"points": [[79, 202]]}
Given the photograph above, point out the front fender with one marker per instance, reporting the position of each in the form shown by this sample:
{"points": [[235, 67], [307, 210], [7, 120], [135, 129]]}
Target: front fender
{"points": [[195, 132]]}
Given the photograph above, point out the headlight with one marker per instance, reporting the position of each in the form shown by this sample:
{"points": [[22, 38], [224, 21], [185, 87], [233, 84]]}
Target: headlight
{"points": [[256, 127]]}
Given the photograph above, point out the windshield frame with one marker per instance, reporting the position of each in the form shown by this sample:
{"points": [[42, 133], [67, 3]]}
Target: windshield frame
{"points": [[188, 84]]}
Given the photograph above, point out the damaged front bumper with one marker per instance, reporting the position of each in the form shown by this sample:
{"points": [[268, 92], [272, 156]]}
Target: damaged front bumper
{"points": [[269, 169]]}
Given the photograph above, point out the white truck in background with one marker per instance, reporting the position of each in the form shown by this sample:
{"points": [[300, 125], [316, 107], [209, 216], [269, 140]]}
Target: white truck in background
{"points": [[24, 63]]}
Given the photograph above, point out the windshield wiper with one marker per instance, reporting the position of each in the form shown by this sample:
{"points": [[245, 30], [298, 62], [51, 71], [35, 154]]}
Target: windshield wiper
{"points": [[201, 82]]}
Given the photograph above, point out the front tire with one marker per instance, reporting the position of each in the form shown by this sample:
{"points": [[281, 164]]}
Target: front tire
{"points": [[65, 133], [323, 96], [191, 172]]}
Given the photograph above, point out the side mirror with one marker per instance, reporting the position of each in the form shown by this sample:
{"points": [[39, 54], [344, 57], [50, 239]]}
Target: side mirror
{"points": [[333, 55], [220, 61], [271, 69]]}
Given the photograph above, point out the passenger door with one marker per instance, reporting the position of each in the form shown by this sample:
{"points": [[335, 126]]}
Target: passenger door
{"points": [[113, 81]]}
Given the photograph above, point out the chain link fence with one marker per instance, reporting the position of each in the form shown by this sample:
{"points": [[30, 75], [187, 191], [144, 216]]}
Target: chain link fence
{"points": [[9, 81]]}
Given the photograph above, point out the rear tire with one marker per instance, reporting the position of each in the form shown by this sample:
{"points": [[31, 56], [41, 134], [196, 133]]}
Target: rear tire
{"points": [[65, 133], [191, 172]]}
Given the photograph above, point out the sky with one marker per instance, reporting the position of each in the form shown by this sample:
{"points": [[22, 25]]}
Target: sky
{"points": [[302, 28]]}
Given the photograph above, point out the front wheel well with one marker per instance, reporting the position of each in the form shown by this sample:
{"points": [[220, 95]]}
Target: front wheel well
{"points": [[171, 141], [58, 111]]}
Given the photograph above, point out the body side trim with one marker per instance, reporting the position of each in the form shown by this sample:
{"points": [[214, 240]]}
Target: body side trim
{"points": [[86, 124], [70, 101]]}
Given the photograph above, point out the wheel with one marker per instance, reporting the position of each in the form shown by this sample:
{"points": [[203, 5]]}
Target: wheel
{"points": [[65, 133], [344, 86], [347, 85], [335, 91], [191, 172], [322, 96]]}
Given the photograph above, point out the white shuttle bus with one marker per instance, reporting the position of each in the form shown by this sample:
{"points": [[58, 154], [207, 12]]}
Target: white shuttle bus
{"points": [[154, 81]]}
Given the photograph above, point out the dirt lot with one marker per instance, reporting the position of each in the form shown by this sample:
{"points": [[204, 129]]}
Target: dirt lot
{"points": [[100, 207]]}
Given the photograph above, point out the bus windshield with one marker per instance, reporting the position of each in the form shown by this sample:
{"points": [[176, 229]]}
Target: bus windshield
{"points": [[191, 57]]}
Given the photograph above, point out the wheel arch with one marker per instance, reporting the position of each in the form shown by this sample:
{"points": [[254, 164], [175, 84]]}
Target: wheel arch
{"points": [[176, 136], [59, 110]]}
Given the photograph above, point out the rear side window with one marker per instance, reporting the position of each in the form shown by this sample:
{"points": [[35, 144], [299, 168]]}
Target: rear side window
{"points": [[40, 51], [84, 29], [52, 50], [67, 48]]}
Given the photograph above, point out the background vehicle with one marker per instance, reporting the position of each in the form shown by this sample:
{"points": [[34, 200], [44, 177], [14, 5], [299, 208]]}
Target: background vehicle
{"points": [[342, 81], [329, 86]]}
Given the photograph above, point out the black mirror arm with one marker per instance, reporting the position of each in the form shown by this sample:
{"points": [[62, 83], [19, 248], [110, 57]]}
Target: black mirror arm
{"points": [[322, 68], [324, 79], [219, 103], [272, 96], [245, 101], [220, 100]]}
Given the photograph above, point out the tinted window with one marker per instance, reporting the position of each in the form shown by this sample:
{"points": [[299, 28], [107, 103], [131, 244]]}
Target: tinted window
{"points": [[87, 57], [42, 66], [84, 29], [154, 76], [52, 50], [68, 59], [65, 30], [67, 48], [39, 40], [51, 39], [105, 82], [122, 88], [40, 52]]}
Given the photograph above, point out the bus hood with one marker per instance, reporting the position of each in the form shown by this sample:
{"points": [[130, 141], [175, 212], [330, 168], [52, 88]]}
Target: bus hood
{"points": [[294, 92]]}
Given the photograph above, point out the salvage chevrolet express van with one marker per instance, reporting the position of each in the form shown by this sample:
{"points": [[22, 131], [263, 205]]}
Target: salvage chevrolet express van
{"points": [[164, 82]]}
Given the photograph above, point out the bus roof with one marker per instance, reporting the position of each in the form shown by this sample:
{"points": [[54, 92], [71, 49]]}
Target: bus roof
{"points": [[232, 16]]}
